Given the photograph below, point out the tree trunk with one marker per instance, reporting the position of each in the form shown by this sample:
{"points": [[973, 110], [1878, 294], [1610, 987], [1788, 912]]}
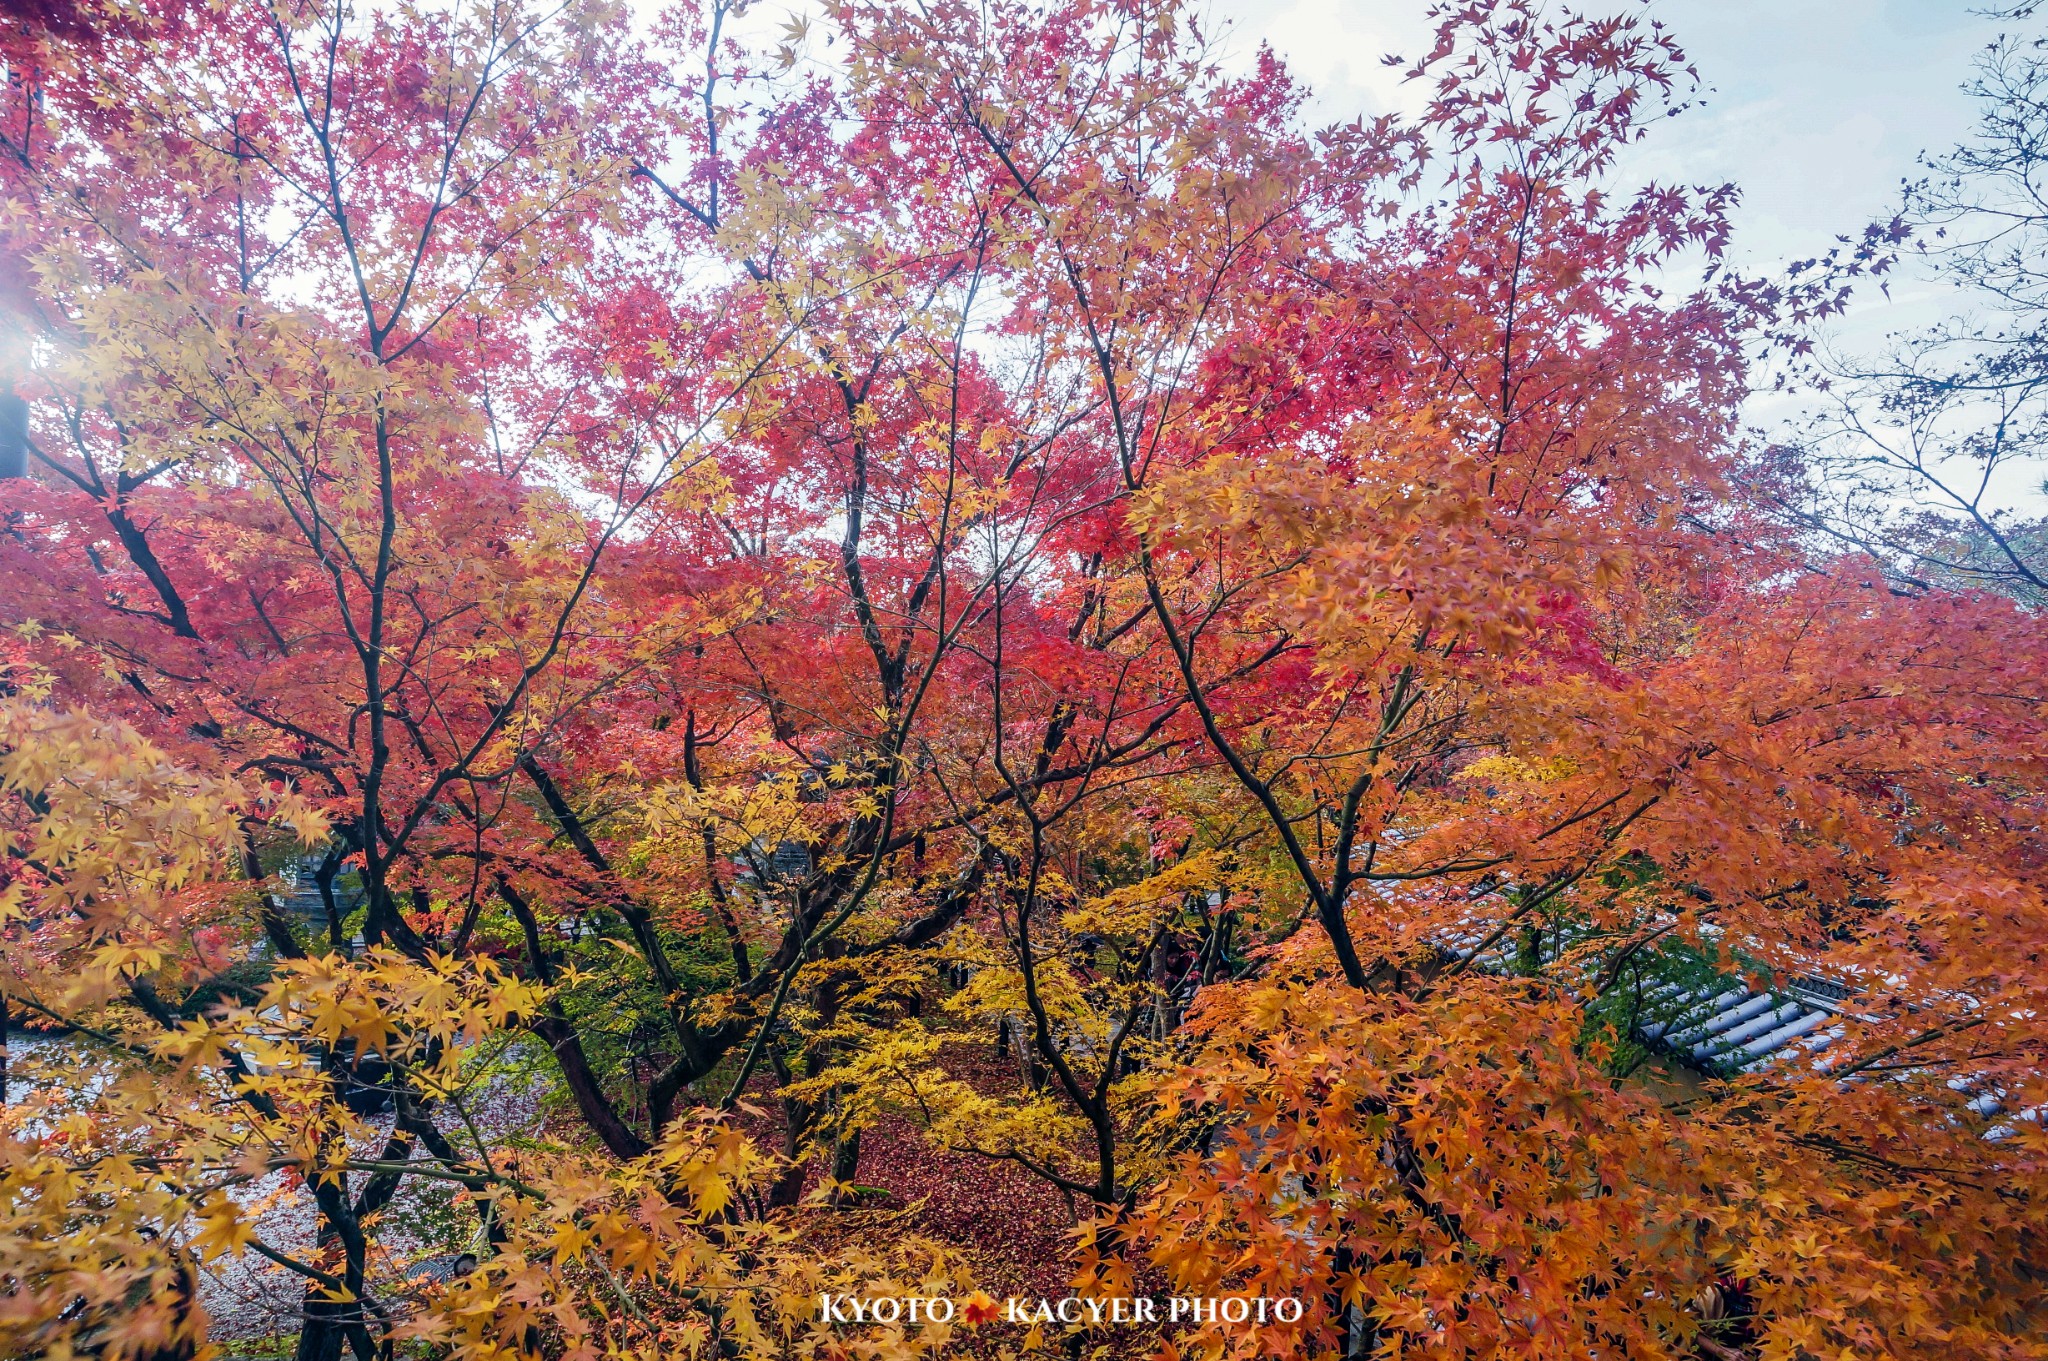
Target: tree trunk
{"points": [[796, 1127], [845, 1162]]}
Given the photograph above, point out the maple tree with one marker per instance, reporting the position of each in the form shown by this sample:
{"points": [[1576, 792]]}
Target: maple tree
{"points": [[728, 575]]}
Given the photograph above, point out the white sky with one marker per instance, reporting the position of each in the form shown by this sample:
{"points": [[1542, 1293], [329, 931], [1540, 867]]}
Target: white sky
{"points": [[1816, 108]]}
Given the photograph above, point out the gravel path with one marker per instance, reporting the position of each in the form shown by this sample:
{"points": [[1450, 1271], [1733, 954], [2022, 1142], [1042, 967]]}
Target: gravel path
{"points": [[250, 1298]]}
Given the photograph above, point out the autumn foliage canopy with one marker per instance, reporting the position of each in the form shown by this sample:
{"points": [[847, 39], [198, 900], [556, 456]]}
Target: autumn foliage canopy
{"points": [[700, 582]]}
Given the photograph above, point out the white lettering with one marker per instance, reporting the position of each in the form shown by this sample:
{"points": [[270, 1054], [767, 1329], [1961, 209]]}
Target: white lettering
{"points": [[895, 1309], [1280, 1310], [932, 1314], [1011, 1313], [1142, 1310], [828, 1312], [1063, 1310], [1244, 1309], [1116, 1310], [1178, 1310]]}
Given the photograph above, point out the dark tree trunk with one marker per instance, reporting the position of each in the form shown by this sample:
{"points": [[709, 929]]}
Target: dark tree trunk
{"points": [[796, 1128], [845, 1161]]}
